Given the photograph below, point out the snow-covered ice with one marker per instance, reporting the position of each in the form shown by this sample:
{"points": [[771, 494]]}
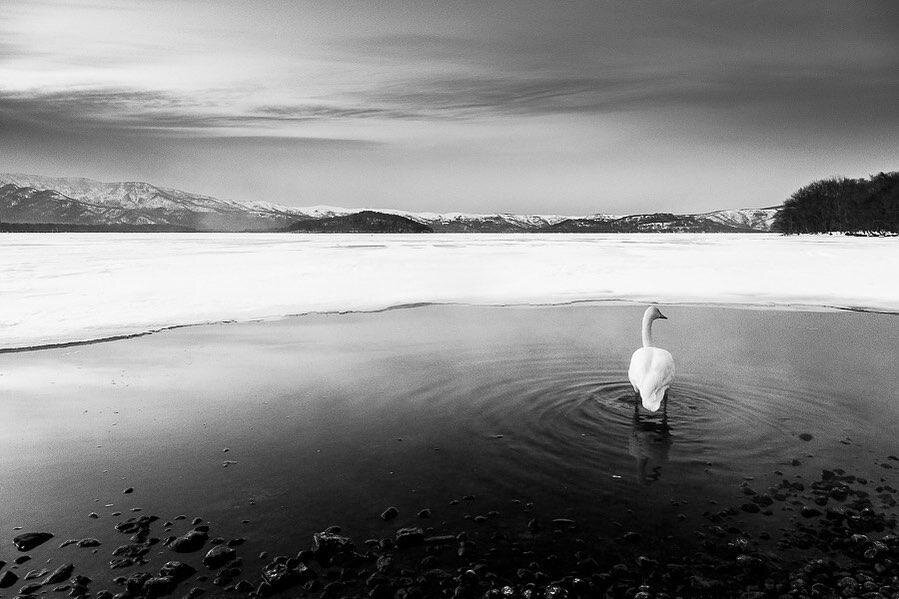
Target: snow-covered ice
{"points": [[57, 288]]}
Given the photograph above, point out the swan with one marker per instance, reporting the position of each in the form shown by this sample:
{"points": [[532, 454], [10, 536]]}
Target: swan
{"points": [[652, 368]]}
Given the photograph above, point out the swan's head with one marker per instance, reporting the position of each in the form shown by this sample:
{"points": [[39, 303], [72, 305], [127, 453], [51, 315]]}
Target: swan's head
{"points": [[653, 313]]}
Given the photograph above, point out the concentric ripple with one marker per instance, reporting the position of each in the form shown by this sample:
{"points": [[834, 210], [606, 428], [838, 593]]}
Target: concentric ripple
{"points": [[552, 414]]}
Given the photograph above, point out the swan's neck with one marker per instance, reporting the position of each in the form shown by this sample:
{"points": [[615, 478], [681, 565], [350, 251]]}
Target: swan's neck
{"points": [[647, 331]]}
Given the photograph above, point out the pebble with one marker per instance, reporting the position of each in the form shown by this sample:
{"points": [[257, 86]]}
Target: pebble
{"points": [[218, 556], [59, 574], [191, 541], [30, 540], [7, 579], [390, 513]]}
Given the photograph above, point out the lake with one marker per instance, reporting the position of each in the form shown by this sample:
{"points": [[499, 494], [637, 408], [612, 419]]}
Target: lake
{"points": [[499, 420]]}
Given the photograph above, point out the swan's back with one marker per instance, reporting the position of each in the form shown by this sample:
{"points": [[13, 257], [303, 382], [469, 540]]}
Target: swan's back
{"points": [[651, 372]]}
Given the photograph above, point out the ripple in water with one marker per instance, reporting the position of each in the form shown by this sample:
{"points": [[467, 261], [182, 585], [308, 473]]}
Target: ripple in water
{"points": [[560, 415]]}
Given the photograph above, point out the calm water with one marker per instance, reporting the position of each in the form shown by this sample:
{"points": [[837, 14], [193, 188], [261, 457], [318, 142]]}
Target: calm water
{"points": [[332, 418]]}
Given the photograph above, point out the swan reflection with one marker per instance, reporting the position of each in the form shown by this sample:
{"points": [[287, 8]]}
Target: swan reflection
{"points": [[650, 442]]}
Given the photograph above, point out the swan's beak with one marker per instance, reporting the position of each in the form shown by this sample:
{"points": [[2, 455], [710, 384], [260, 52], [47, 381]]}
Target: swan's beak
{"points": [[662, 316]]}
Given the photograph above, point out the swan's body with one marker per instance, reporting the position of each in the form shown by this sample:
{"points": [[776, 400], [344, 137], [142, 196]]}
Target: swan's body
{"points": [[652, 368]]}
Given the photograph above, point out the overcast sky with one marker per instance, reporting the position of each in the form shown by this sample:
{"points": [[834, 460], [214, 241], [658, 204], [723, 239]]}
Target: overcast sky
{"points": [[474, 105]]}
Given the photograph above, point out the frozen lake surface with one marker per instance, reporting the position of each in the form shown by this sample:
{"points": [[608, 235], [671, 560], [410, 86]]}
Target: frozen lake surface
{"points": [[58, 288]]}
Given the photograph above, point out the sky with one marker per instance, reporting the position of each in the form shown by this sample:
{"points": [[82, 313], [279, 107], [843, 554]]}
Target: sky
{"points": [[537, 106]]}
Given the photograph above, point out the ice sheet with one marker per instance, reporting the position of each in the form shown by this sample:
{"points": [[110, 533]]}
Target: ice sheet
{"points": [[57, 288]]}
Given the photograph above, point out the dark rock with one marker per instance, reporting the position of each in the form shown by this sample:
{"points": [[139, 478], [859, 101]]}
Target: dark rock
{"points": [[30, 589], [128, 491], [806, 436], [390, 513], [750, 508], [809, 512], [280, 575], [425, 513], [329, 547], [7, 579], [218, 556], [191, 541], [177, 570], [59, 574], [408, 537], [88, 543], [158, 586], [30, 540]]}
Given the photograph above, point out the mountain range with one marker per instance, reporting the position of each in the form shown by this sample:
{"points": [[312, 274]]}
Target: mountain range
{"points": [[27, 201]]}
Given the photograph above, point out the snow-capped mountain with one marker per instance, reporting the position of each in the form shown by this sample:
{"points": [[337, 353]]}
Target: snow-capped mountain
{"points": [[758, 219], [78, 201]]}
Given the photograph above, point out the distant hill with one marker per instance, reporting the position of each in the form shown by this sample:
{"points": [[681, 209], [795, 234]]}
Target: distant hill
{"points": [[56, 201], [367, 221], [649, 223]]}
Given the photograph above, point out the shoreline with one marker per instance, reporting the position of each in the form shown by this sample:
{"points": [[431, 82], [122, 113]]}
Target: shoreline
{"points": [[773, 306]]}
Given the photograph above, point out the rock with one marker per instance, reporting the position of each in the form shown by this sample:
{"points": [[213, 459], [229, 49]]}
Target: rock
{"points": [[30, 540], [280, 575], [7, 579], [157, 586], [177, 570], [408, 537], [30, 589], [390, 513], [809, 512], [218, 556], [332, 548], [59, 574], [22, 559], [93, 515], [806, 436], [189, 542], [128, 491], [750, 508], [425, 513], [88, 543]]}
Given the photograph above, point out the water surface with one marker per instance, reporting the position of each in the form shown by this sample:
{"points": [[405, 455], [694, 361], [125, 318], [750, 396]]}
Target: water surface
{"points": [[331, 418]]}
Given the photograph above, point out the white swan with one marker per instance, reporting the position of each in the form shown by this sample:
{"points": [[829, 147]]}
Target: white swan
{"points": [[652, 368]]}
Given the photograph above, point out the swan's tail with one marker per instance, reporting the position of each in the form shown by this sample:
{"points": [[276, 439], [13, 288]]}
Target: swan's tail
{"points": [[652, 401]]}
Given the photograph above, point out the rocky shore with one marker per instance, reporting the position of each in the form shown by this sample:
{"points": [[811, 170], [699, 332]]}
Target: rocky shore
{"points": [[840, 542]]}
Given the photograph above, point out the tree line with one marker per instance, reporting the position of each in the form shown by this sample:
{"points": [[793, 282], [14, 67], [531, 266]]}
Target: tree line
{"points": [[839, 204]]}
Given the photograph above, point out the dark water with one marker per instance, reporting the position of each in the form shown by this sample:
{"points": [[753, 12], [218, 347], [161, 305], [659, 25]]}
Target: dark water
{"points": [[332, 418]]}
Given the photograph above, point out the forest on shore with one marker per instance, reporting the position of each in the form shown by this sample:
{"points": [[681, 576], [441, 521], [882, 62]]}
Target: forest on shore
{"points": [[863, 206]]}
